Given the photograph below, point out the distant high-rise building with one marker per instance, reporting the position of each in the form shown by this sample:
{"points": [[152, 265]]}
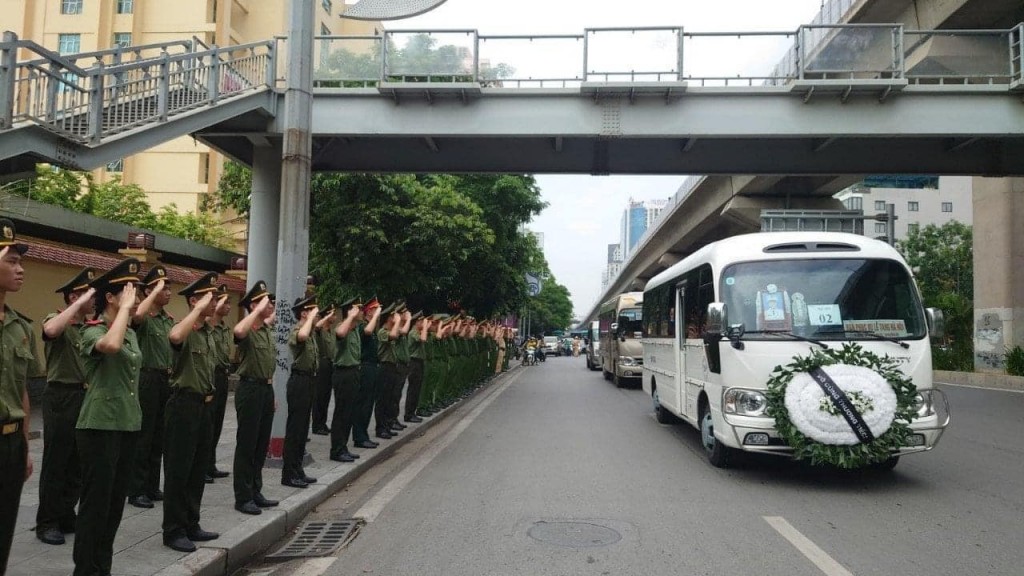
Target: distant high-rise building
{"points": [[614, 264], [636, 219], [919, 201]]}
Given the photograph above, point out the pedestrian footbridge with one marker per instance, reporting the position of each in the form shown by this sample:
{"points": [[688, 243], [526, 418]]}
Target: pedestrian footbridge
{"points": [[836, 99]]}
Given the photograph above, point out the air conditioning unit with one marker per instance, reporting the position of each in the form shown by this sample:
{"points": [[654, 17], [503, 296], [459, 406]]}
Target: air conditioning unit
{"points": [[141, 240]]}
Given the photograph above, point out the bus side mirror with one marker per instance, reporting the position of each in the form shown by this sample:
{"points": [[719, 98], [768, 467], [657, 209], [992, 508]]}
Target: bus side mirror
{"points": [[615, 328], [936, 322], [717, 320]]}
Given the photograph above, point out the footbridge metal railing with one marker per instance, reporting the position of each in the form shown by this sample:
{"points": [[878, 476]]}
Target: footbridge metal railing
{"points": [[86, 97], [822, 53]]}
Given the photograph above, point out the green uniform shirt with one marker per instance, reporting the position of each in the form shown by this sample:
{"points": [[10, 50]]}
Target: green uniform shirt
{"points": [[417, 349], [63, 362], [222, 345], [326, 342], [305, 355], [402, 349], [17, 362], [153, 333], [257, 355], [194, 361], [386, 348], [112, 399], [348, 350]]}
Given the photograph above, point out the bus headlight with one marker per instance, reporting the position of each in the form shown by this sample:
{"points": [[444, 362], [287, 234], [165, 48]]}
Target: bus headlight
{"points": [[923, 405], [627, 361], [744, 402]]}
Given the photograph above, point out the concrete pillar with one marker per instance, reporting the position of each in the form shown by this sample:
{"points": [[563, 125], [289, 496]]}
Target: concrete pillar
{"points": [[998, 270], [265, 201]]}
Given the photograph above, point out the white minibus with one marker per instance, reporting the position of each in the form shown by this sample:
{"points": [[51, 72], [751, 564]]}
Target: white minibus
{"points": [[717, 324], [621, 326]]}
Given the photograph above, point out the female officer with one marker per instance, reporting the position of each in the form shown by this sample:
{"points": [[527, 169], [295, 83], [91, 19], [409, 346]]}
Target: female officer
{"points": [[110, 420]]}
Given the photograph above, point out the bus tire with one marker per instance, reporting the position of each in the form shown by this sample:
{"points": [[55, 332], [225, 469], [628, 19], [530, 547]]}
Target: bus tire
{"points": [[719, 455], [607, 375], [619, 383], [885, 465], [660, 413]]}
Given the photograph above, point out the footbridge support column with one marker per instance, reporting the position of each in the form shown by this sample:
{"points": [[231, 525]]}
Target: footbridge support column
{"points": [[264, 204], [998, 270]]}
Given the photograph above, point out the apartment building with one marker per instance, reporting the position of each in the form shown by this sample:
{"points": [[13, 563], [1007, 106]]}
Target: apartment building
{"points": [[918, 201], [181, 171]]}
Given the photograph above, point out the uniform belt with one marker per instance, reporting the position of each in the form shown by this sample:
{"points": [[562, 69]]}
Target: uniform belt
{"points": [[193, 395], [8, 428], [251, 380], [166, 371], [301, 372], [69, 385]]}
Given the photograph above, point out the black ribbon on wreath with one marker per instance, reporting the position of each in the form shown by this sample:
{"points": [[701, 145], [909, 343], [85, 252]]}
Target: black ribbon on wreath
{"points": [[846, 408]]}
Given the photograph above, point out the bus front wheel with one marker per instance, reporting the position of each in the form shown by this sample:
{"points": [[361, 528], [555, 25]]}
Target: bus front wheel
{"points": [[615, 377], [718, 454], [660, 413]]}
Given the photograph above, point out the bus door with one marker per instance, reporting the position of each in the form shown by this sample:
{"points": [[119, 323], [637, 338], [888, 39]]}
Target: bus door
{"points": [[680, 378]]}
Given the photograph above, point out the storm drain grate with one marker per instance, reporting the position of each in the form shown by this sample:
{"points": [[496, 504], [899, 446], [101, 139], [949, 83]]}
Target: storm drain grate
{"points": [[318, 538]]}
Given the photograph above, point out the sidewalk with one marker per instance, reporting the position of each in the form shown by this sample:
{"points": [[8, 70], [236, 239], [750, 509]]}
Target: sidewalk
{"points": [[139, 549]]}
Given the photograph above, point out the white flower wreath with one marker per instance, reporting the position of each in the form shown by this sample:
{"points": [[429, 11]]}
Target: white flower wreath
{"points": [[814, 414]]}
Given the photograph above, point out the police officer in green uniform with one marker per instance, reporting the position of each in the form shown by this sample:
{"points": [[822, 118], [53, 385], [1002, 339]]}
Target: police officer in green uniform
{"points": [[17, 362], [152, 324], [387, 356], [325, 344], [188, 425], [221, 368], [254, 398], [59, 478], [110, 420], [417, 341], [302, 344], [345, 379], [369, 372], [402, 358]]}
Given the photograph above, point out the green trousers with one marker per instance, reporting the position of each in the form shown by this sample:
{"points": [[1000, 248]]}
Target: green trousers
{"points": [[219, 408], [188, 440], [412, 393], [13, 450], [106, 457], [345, 382], [369, 382], [154, 391], [254, 406], [60, 481], [299, 392]]}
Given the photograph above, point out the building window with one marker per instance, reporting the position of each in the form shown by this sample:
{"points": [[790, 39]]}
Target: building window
{"points": [[70, 6], [912, 206], [325, 45], [123, 39], [913, 228], [880, 205], [880, 228], [326, 4], [854, 203], [116, 165], [947, 206], [125, 6], [204, 168], [69, 43]]}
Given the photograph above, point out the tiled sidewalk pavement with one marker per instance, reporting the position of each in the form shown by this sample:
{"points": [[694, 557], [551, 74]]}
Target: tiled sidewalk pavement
{"points": [[139, 548]]}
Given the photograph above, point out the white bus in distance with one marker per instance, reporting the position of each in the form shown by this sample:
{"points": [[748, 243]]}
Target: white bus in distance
{"points": [[620, 323], [717, 323]]}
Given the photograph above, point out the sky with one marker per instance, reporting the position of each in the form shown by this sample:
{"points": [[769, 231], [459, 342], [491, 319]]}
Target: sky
{"points": [[584, 212]]}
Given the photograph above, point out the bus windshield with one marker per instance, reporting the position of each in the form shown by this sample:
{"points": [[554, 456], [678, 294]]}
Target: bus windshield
{"points": [[631, 321], [828, 299]]}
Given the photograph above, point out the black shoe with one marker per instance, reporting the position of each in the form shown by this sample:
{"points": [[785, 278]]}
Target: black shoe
{"points": [[181, 544], [310, 479], [156, 496], [294, 482], [200, 535], [208, 479], [342, 457], [321, 431], [353, 454], [366, 444], [50, 536], [219, 473], [414, 419], [249, 507], [399, 425], [142, 501], [263, 502], [384, 434]]}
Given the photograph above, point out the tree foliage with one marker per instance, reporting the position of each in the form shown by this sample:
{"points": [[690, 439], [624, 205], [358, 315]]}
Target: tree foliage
{"points": [[233, 190], [113, 200], [942, 258], [551, 309]]}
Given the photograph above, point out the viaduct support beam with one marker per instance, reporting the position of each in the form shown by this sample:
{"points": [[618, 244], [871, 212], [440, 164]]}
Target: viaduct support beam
{"points": [[263, 218], [998, 270], [293, 215]]}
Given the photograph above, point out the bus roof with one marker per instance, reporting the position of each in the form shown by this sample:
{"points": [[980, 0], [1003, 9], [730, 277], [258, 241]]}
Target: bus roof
{"points": [[779, 246], [626, 300]]}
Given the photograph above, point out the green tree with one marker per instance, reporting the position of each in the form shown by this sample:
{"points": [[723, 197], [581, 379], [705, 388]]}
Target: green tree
{"points": [[125, 203], [942, 258], [551, 309], [57, 187], [233, 190]]}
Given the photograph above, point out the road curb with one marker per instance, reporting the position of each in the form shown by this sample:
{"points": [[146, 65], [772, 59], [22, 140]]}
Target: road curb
{"points": [[251, 538]]}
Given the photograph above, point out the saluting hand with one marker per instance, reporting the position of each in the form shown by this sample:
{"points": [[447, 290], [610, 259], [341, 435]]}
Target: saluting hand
{"points": [[315, 311], [160, 284], [352, 311], [205, 301], [127, 297], [263, 305], [4, 252], [222, 307]]}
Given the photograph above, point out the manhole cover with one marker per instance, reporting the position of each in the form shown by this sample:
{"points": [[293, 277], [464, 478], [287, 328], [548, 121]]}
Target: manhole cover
{"points": [[313, 539], [573, 534]]}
